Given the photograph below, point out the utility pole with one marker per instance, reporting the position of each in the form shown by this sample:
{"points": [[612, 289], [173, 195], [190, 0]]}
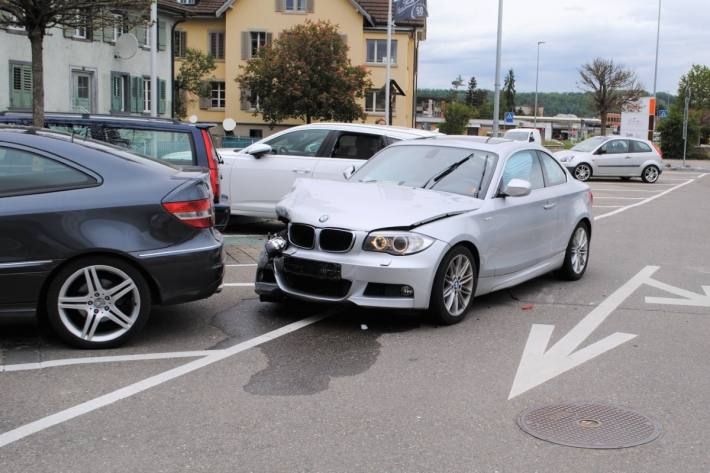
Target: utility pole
{"points": [[655, 70], [496, 100], [154, 84], [685, 122], [537, 79]]}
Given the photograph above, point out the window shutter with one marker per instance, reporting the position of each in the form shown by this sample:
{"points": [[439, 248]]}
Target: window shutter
{"points": [[115, 98], [246, 37], [204, 103], [136, 94], [269, 38], [107, 31], [220, 45], [280, 5], [140, 34], [21, 86], [90, 33], [309, 6], [161, 96], [161, 36]]}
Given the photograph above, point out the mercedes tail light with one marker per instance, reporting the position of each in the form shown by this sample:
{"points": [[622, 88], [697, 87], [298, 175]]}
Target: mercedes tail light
{"points": [[195, 213], [213, 162]]}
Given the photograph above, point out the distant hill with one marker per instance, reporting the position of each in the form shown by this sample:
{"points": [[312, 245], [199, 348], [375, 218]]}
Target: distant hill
{"points": [[576, 103]]}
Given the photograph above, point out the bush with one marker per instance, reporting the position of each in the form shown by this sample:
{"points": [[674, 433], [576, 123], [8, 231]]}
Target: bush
{"points": [[671, 129], [457, 116]]}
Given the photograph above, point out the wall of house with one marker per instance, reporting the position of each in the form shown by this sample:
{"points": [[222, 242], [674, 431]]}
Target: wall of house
{"points": [[197, 31], [63, 55]]}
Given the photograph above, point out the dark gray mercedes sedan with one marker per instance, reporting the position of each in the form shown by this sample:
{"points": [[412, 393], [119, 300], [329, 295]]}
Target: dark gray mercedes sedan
{"points": [[93, 236]]}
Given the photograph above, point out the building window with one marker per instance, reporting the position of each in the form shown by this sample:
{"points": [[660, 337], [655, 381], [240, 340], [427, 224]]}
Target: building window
{"points": [[119, 92], [375, 101], [256, 133], [186, 2], [217, 95], [21, 86], [295, 5], [146, 95], [377, 51], [180, 43], [258, 41], [217, 45], [81, 30], [119, 27]]}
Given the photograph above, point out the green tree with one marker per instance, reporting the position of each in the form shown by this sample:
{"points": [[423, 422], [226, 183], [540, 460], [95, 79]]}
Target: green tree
{"points": [[671, 130], [698, 78], [306, 74], [37, 17], [509, 92], [612, 86], [191, 78], [456, 118], [475, 97]]}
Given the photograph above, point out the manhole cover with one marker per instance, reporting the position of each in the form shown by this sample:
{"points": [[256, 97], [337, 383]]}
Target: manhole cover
{"points": [[589, 425]]}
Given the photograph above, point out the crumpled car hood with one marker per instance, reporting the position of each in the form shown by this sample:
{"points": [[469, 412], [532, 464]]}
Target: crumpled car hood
{"points": [[368, 206]]}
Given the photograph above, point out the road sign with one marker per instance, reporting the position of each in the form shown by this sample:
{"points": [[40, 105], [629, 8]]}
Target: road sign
{"points": [[663, 113], [509, 118]]}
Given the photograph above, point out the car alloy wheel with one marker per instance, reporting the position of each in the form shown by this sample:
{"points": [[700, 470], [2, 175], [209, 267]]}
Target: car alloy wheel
{"points": [[577, 254], [458, 285], [650, 174], [98, 304], [580, 250], [582, 172]]}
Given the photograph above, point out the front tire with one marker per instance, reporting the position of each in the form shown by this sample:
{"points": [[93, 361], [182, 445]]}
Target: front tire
{"points": [[98, 302], [650, 174], [454, 286], [582, 172], [577, 254]]}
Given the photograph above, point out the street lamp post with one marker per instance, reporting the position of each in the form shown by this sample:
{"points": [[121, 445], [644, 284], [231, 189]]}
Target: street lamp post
{"points": [[537, 80], [655, 70], [496, 99]]}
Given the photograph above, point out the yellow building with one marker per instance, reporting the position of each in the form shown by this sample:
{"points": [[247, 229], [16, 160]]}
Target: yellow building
{"points": [[233, 31]]}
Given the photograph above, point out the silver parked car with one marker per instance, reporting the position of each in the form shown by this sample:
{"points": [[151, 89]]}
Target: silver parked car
{"points": [[429, 224], [613, 156]]}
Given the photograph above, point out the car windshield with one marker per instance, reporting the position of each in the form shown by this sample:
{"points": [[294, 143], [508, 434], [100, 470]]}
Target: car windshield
{"points": [[590, 144], [517, 135], [456, 170]]}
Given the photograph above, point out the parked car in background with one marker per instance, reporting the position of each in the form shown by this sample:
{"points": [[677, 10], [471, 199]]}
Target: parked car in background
{"points": [[429, 224], [257, 177], [93, 235], [529, 135], [186, 145], [613, 156]]}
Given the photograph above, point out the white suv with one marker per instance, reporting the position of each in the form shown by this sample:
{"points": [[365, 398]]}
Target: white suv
{"points": [[257, 177], [613, 156]]}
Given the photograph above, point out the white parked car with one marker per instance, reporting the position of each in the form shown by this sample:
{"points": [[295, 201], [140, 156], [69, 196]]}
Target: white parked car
{"points": [[529, 135], [257, 177], [613, 156]]}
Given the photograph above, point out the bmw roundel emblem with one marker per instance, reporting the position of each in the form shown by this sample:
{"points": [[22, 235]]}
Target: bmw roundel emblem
{"points": [[323, 218]]}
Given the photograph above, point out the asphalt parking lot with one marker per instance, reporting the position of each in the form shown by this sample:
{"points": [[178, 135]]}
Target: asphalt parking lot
{"points": [[230, 384]]}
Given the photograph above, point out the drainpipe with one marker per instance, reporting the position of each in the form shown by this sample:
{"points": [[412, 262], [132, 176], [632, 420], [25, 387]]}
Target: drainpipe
{"points": [[172, 64]]}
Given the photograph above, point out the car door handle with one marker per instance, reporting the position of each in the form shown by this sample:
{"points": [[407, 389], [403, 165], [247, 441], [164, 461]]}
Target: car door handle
{"points": [[300, 171], [629, 157], [549, 205]]}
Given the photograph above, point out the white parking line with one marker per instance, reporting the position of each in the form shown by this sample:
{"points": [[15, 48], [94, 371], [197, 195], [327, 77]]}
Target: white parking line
{"points": [[607, 206], [133, 389], [617, 198], [239, 284], [621, 189], [246, 265], [103, 359], [643, 202]]}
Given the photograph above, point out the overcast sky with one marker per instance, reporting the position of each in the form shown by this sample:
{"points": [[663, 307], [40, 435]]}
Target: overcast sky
{"points": [[461, 39]]}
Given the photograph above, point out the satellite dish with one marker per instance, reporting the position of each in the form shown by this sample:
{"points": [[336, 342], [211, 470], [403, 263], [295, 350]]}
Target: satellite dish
{"points": [[229, 124], [192, 119], [126, 46]]}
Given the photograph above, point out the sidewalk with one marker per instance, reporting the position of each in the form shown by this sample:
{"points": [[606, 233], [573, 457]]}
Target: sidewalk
{"points": [[699, 165]]}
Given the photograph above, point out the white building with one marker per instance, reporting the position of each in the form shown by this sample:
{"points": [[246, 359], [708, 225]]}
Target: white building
{"points": [[82, 72]]}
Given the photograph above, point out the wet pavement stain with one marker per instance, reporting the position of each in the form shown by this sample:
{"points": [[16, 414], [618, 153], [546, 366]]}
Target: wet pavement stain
{"points": [[305, 362]]}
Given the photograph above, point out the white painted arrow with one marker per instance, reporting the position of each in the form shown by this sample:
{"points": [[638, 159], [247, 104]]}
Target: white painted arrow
{"points": [[539, 364], [688, 298]]}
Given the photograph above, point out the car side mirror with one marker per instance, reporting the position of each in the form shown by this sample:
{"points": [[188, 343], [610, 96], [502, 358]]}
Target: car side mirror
{"points": [[531, 139], [517, 188], [258, 150], [348, 173], [600, 151]]}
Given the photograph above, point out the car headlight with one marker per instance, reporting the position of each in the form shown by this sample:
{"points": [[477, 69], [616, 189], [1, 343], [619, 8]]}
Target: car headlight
{"points": [[397, 243], [566, 159]]}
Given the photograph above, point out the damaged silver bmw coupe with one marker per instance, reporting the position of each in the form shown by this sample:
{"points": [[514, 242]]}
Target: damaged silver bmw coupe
{"points": [[430, 224]]}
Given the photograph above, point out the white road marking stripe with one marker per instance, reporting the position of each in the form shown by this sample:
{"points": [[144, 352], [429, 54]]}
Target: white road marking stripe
{"points": [[621, 189], [128, 391], [239, 284], [643, 202], [103, 359], [246, 265], [617, 198], [607, 206]]}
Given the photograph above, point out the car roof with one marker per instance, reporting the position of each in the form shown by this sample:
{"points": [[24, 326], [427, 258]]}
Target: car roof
{"points": [[390, 131], [145, 122], [499, 146]]}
